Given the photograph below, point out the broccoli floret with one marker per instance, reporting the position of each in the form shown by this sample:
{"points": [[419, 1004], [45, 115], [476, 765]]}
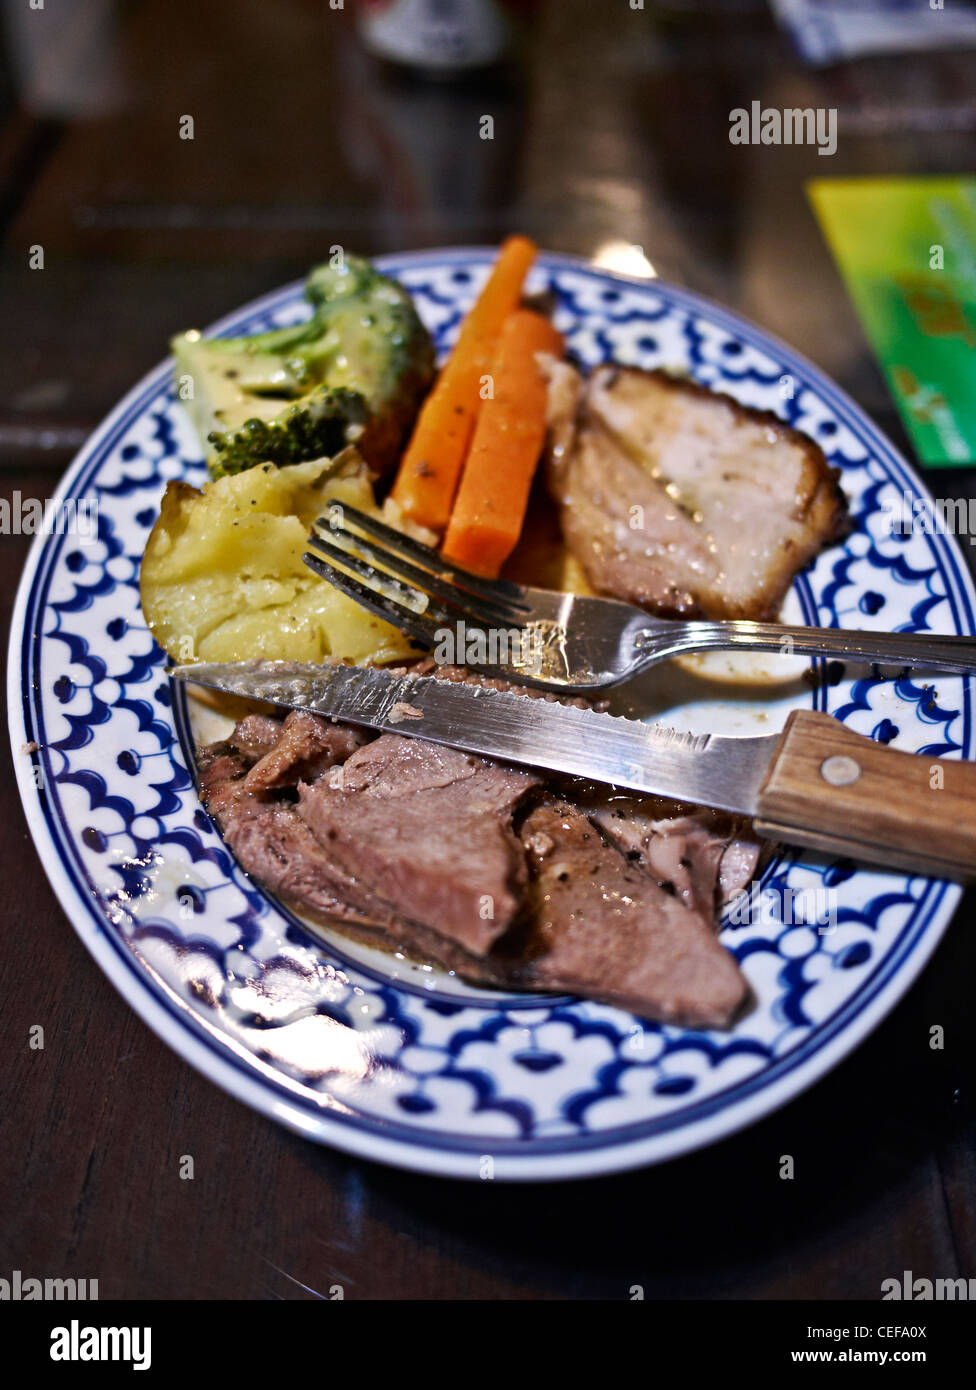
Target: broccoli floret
{"points": [[318, 425], [355, 371]]}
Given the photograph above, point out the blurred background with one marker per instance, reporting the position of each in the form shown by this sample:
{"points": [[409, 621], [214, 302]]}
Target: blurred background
{"points": [[317, 122], [610, 140]]}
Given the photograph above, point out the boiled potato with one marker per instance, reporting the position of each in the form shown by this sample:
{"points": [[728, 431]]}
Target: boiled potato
{"points": [[223, 578]]}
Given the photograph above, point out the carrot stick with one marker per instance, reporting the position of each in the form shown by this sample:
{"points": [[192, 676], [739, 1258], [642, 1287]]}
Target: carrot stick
{"points": [[508, 438], [429, 472]]}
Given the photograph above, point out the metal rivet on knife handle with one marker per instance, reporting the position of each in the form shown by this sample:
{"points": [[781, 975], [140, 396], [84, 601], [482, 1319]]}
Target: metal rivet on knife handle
{"points": [[839, 770]]}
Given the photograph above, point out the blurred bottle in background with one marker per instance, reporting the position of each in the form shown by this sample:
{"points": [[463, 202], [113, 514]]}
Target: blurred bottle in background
{"points": [[421, 144], [442, 38], [64, 57]]}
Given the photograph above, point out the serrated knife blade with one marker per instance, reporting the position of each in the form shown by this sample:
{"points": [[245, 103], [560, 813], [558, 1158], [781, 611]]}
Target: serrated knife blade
{"points": [[710, 770]]}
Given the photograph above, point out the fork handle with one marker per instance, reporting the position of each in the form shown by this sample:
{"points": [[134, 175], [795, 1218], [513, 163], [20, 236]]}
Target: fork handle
{"points": [[834, 790], [926, 651]]}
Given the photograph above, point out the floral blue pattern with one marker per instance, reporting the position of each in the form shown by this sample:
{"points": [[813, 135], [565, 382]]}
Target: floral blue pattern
{"points": [[371, 1054]]}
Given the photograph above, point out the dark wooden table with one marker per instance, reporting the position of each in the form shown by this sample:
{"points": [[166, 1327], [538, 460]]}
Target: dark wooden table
{"points": [[613, 127]]}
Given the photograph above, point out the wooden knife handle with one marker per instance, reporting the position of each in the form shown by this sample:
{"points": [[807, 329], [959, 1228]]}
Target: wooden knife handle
{"points": [[837, 791]]}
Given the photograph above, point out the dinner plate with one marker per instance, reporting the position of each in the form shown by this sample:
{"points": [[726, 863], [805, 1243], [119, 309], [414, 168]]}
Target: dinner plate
{"points": [[387, 1058]]}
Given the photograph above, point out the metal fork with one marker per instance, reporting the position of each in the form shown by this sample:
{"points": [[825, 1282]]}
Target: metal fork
{"points": [[564, 642]]}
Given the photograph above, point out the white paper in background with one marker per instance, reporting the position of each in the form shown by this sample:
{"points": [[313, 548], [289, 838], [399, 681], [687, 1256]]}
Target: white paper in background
{"points": [[830, 31]]}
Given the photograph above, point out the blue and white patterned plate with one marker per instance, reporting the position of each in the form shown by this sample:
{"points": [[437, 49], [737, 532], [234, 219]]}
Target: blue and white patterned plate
{"points": [[365, 1051]]}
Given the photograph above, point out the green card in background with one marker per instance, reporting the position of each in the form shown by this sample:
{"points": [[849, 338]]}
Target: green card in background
{"points": [[907, 251]]}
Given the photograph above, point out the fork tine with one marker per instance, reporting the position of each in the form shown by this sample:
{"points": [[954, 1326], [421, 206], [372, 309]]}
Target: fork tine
{"points": [[401, 595], [421, 629], [483, 612], [500, 591]]}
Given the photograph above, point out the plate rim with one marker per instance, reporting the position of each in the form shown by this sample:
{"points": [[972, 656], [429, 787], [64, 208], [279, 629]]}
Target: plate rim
{"points": [[255, 1083]]}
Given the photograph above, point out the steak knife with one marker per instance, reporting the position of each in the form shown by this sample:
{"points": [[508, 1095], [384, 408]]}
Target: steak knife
{"points": [[816, 784]]}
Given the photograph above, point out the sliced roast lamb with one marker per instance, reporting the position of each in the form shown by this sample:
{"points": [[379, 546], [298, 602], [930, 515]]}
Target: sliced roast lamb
{"points": [[429, 829], [606, 929], [307, 745], [255, 735], [476, 866], [275, 845], [706, 857]]}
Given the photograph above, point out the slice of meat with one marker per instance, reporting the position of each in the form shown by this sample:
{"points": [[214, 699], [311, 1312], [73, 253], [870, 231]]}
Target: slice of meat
{"points": [[681, 500], [307, 745], [429, 829], [255, 735], [738, 865], [660, 563], [601, 926], [706, 857], [605, 929], [404, 842], [274, 844]]}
